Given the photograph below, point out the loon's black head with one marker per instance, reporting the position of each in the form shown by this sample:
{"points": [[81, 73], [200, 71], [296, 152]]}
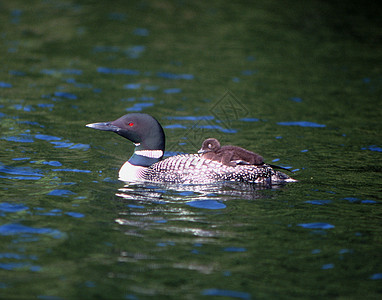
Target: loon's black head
{"points": [[142, 129], [210, 145]]}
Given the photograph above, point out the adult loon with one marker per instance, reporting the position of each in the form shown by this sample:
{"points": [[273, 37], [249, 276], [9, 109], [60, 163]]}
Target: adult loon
{"points": [[229, 155], [146, 162]]}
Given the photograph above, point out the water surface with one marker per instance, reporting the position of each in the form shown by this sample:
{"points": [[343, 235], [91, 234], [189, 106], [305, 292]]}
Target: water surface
{"points": [[298, 83]]}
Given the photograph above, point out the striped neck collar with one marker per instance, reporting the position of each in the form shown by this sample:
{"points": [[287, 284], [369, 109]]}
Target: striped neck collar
{"points": [[150, 153], [145, 158]]}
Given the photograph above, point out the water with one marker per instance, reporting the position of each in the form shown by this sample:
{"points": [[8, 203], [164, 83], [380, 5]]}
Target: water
{"points": [[299, 84]]}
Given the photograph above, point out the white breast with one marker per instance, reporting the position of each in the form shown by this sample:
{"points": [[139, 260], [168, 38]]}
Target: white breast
{"points": [[129, 172]]}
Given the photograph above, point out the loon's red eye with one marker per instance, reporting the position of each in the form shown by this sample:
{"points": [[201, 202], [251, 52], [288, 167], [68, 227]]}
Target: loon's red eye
{"points": [[131, 124]]}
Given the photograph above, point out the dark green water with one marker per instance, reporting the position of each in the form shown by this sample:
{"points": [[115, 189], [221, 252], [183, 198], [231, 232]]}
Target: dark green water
{"points": [[300, 84]]}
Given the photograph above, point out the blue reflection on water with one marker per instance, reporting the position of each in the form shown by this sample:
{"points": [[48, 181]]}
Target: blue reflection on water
{"points": [[372, 148], [191, 118], [207, 204], [22, 138], [143, 98], [316, 225], [15, 229], [5, 84], [23, 173], [135, 206], [47, 137], [16, 73], [31, 123], [6, 207], [132, 86], [174, 76], [172, 91], [139, 106], [141, 32], [250, 119], [106, 70], [61, 193], [135, 51], [327, 266], [235, 249], [357, 200], [62, 144], [318, 202], [151, 87], [368, 201], [376, 276], [302, 124], [17, 256], [248, 72], [65, 95], [13, 265], [226, 293], [56, 212], [78, 84], [45, 105], [175, 126], [74, 214], [80, 147], [296, 99], [71, 170], [24, 108], [52, 212]]}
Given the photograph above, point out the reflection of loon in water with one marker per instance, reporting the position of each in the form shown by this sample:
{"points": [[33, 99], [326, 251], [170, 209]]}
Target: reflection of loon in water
{"points": [[146, 162], [152, 205], [220, 191]]}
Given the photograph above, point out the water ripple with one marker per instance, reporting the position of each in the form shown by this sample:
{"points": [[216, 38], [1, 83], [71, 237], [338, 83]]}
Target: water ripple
{"points": [[22, 138], [302, 124], [23, 173], [12, 207], [226, 293], [206, 204], [372, 148], [105, 70], [316, 225], [5, 85], [174, 76], [16, 229], [61, 193]]}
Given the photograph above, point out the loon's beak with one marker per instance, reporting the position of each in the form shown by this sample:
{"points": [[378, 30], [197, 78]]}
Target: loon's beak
{"points": [[201, 151], [105, 126]]}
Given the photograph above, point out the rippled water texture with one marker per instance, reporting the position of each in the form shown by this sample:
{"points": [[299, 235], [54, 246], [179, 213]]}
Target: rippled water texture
{"points": [[298, 83]]}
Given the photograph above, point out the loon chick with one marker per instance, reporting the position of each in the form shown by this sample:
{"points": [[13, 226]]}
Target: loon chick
{"points": [[232, 155], [146, 162], [229, 155]]}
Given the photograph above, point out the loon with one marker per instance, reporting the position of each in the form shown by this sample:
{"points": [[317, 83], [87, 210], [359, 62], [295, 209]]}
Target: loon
{"points": [[147, 164], [229, 155]]}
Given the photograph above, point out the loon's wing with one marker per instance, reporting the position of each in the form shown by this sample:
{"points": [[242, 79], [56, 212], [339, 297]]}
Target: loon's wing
{"points": [[192, 169]]}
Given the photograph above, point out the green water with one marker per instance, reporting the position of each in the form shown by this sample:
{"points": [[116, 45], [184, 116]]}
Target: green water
{"points": [[233, 70]]}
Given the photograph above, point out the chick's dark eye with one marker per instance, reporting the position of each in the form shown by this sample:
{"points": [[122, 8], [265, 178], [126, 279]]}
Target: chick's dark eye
{"points": [[130, 124]]}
